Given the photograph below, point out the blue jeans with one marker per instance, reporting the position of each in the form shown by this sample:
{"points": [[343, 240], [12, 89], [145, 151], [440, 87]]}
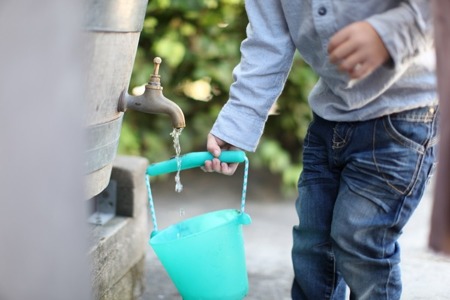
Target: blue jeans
{"points": [[360, 184]]}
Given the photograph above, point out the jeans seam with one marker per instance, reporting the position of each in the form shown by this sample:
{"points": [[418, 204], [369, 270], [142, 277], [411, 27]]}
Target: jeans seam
{"points": [[387, 260], [388, 279], [308, 133], [423, 156], [393, 133], [333, 282], [434, 136], [414, 177], [329, 292]]}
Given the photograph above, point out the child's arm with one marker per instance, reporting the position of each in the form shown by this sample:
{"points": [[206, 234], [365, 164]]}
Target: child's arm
{"points": [[405, 32], [266, 58]]}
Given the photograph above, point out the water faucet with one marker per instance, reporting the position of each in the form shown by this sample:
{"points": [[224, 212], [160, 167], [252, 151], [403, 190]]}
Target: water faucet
{"points": [[152, 101]]}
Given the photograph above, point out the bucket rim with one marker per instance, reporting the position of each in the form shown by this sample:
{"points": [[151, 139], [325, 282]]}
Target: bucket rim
{"points": [[154, 234]]}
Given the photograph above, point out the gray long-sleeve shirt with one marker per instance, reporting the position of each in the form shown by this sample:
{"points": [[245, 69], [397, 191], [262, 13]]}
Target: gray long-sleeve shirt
{"points": [[278, 27]]}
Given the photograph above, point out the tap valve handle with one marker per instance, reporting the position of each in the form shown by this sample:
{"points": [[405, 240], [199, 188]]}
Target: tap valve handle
{"points": [[155, 80], [157, 62]]}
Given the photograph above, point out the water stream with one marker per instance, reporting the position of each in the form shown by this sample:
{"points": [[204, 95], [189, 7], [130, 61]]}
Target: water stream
{"points": [[176, 145]]}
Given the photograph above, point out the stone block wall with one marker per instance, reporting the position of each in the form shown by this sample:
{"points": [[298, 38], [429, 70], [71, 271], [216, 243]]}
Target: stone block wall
{"points": [[119, 246]]}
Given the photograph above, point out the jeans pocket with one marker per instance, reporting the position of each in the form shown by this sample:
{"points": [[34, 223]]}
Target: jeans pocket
{"points": [[411, 128], [400, 145]]}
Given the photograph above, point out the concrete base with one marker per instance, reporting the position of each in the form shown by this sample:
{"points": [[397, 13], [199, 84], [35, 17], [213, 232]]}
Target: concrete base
{"points": [[129, 286], [119, 246]]}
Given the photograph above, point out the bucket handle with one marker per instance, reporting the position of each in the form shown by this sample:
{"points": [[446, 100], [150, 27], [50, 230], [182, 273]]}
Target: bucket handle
{"points": [[193, 160], [189, 161]]}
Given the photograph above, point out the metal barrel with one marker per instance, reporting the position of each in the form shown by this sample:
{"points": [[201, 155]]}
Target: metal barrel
{"points": [[112, 31]]}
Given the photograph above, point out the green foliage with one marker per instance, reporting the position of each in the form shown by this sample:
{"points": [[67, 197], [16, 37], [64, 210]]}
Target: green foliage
{"points": [[199, 41]]}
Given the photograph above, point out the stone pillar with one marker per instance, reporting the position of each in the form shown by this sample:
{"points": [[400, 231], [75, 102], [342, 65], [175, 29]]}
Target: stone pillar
{"points": [[43, 229], [440, 224]]}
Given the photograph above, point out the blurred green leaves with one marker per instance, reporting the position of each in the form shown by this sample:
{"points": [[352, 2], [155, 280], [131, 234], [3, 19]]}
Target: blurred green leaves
{"points": [[199, 41], [172, 48]]}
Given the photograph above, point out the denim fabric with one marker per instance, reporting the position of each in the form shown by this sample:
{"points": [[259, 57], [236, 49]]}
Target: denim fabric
{"points": [[360, 184]]}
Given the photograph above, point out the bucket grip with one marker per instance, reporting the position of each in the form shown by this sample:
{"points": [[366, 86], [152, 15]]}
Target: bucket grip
{"points": [[241, 156]]}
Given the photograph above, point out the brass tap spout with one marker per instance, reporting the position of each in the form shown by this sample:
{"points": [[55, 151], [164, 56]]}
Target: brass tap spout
{"points": [[152, 101]]}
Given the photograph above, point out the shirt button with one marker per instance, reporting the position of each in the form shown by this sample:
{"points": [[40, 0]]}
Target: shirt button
{"points": [[322, 11]]}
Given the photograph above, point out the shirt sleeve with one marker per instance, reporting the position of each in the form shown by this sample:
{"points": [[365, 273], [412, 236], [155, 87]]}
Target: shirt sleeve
{"points": [[406, 30], [259, 78]]}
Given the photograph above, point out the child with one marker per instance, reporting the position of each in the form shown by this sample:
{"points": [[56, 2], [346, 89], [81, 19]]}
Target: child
{"points": [[370, 148]]}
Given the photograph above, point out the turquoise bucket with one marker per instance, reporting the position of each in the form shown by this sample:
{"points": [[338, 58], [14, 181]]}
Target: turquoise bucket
{"points": [[204, 255]]}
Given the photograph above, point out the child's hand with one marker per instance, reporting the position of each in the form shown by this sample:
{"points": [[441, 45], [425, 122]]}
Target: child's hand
{"points": [[357, 49], [215, 146]]}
